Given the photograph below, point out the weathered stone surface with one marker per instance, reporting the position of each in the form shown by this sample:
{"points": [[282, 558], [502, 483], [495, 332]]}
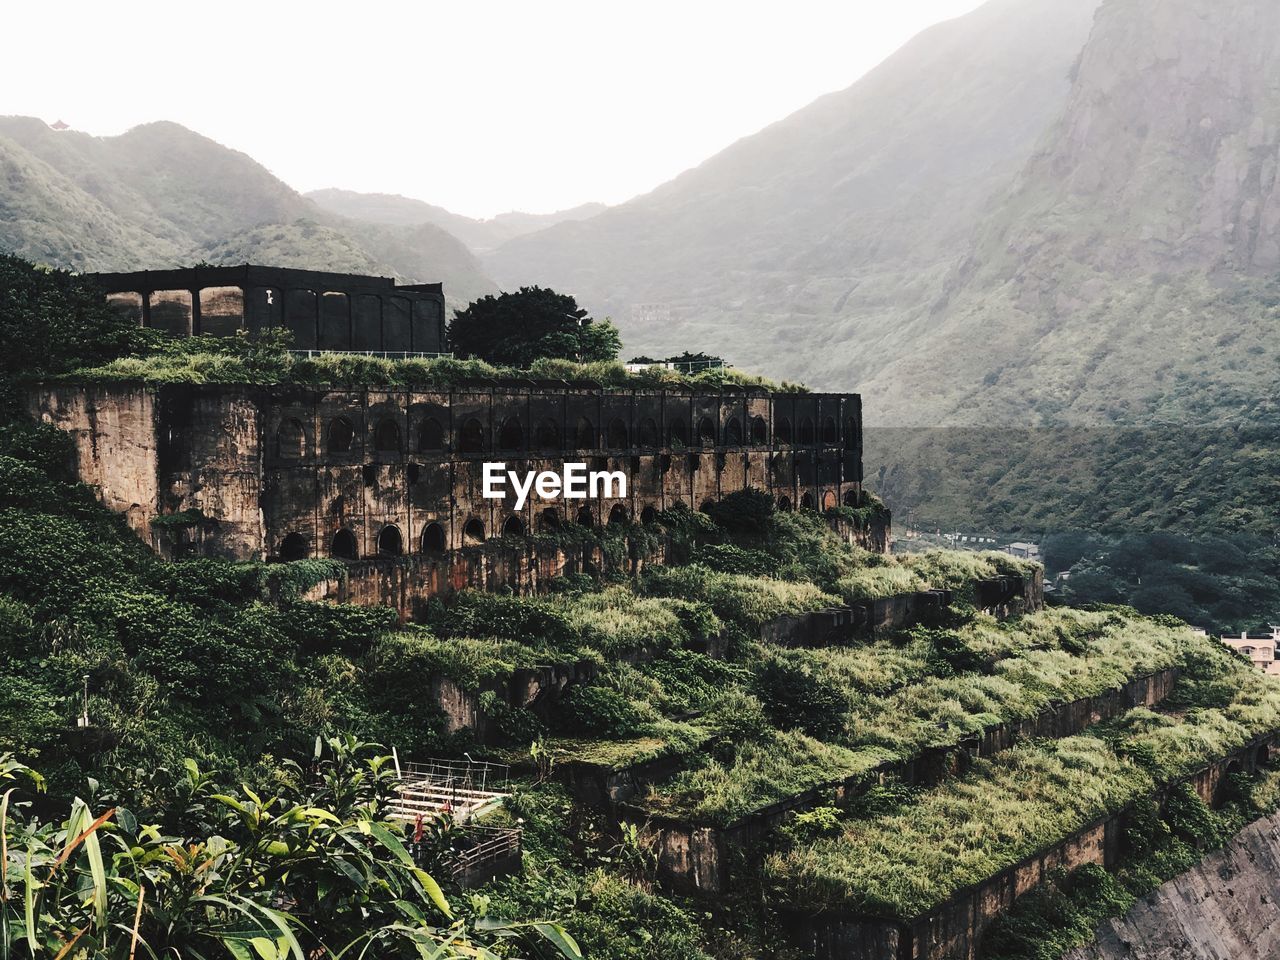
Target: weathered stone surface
{"points": [[1226, 908]]}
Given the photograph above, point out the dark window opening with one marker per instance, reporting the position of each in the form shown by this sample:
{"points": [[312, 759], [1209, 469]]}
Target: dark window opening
{"points": [[648, 436], [549, 520], [430, 435], [586, 437], [386, 436], [339, 506], [511, 436], [733, 433], [295, 547], [369, 472], [784, 504], [586, 518], [759, 431], [617, 435], [390, 543], [473, 533], [648, 515], [343, 545], [514, 527], [471, 437], [291, 440], [706, 431], [340, 435], [851, 434], [851, 498], [414, 472], [806, 432], [433, 540], [618, 515], [829, 430], [547, 436], [679, 433], [782, 432], [806, 502]]}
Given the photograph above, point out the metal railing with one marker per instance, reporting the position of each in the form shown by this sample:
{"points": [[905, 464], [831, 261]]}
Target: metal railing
{"points": [[486, 844], [481, 775], [378, 354]]}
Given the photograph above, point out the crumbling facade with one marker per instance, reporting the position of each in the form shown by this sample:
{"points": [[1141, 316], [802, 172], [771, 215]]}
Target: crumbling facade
{"points": [[323, 311], [291, 472]]}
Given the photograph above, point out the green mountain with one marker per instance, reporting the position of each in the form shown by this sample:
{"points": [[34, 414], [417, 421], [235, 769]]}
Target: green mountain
{"points": [[802, 250], [161, 195], [480, 235]]}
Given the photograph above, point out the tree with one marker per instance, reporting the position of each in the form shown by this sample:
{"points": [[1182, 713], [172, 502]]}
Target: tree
{"points": [[52, 321], [515, 329]]}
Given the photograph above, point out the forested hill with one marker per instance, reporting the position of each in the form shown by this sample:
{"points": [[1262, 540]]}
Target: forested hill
{"points": [[161, 195], [812, 245]]}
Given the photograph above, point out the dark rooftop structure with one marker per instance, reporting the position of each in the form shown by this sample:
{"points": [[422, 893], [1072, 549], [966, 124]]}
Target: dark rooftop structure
{"points": [[324, 311]]}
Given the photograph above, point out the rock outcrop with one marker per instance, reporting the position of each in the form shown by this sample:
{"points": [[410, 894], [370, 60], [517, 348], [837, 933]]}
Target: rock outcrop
{"points": [[1226, 908]]}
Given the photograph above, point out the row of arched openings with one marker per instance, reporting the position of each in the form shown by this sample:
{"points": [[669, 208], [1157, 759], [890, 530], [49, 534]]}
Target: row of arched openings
{"points": [[390, 541], [431, 437]]}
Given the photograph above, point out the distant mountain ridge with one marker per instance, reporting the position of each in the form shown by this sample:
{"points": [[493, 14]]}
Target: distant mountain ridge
{"points": [[480, 235], [160, 195]]}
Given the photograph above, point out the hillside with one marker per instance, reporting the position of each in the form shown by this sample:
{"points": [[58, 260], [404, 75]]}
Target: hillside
{"points": [[480, 235], [161, 195], [802, 249]]}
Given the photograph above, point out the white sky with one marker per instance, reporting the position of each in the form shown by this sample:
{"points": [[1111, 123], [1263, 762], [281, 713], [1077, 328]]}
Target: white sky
{"points": [[480, 106]]}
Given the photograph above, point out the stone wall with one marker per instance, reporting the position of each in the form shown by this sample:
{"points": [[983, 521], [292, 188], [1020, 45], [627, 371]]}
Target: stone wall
{"points": [[953, 931], [292, 472], [697, 858]]}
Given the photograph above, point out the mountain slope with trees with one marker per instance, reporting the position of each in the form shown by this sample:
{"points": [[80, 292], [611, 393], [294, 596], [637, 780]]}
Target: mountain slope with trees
{"points": [[160, 195]]}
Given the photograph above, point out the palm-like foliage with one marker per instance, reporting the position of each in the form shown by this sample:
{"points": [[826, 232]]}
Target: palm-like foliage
{"points": [[304, 875]]}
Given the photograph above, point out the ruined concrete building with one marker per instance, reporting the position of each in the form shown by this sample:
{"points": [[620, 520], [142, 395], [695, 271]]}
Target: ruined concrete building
{"points": [[323, 311], [390, 480]]}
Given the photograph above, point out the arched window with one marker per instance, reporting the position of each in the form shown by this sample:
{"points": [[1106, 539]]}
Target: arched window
{"points": [[782, 431], [511, 436], [471, 436], [386, 436], [828, 500], [617, 434], [733, 433], [679, 433], [829, 430], [390, 543], [759, 431], [343, 545], [514, 527], [433, 539], [784, 504], [851, 498], [473, 533], [851, 434], [430, 436], [586, 518], [295, 547], [649, 515], [707, 432], [806, 502], [617, 515], [806, 432], [291, 440], [549, 520], [586, 435], [648, 436], [548, 435], [340, 435]]}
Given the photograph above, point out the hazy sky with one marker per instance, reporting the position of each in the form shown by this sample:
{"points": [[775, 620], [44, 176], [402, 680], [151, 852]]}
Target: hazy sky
{"points": [[479, 106]]}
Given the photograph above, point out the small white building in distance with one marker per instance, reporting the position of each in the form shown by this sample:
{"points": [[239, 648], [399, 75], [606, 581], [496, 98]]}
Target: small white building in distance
{"points": [[1261, 650], [1027, 551]]}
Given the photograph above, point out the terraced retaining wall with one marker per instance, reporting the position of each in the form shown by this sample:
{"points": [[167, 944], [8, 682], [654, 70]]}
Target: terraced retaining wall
{"points": [[1001, 597], [698, 858], [953, 931]]}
